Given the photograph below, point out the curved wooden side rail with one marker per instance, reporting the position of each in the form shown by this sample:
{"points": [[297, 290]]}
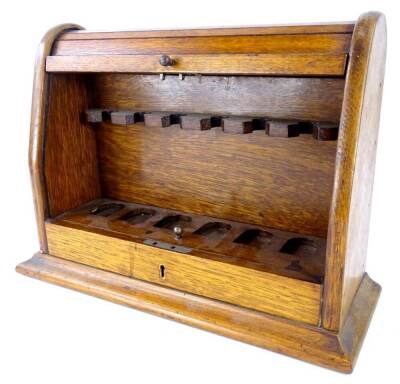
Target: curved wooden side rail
{"points": [[355, 162], [38, 125]]}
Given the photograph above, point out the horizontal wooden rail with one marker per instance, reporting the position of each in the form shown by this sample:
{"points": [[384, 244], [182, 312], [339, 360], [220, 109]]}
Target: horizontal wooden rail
{"points": [[327, 44], [323, 28], [233, 64]]}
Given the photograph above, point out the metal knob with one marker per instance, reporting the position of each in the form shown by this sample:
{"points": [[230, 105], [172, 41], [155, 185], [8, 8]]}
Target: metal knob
{"points": [[166, 61], [178, 231]]}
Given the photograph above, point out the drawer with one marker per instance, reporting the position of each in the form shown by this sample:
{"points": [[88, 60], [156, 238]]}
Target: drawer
{"points": [[262, 291], [267, 292]]}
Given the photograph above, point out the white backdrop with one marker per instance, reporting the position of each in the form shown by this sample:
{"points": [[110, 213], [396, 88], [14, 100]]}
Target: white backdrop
{"points": [[53, 335]]}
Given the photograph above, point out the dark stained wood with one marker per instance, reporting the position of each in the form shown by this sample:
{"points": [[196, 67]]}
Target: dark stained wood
{"points": [[70, 165], [193, 171], [37, 129], [261, 44], [332, 350], [351, 201], [325, 132], [233, 64], [279, 98]]}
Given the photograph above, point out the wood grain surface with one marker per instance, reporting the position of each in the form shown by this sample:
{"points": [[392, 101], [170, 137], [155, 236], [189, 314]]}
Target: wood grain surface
{"points": [[351, 202], [104, 252], [251, 178], [233, 64], [259, 248], [332, 350], [37, 129], [280, 98], [278, 295], [262, 291], [254, 44], [288, 29], [317, 75], [71, 169]]}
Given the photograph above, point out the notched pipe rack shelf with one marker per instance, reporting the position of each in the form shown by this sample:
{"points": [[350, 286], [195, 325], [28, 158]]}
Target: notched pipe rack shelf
{"points": [[203, 122], [254, 247]]}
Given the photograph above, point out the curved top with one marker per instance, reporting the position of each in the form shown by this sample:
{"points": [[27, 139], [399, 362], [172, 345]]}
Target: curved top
{"points": [[343, 27], [50, 36]]}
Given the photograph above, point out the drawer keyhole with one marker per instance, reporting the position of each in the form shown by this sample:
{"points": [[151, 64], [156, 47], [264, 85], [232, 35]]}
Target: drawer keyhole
{"points": [[162, 271]]}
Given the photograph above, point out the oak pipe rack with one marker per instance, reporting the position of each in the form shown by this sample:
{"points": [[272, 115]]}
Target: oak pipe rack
{"points": [[168, 164], [229, 124]]}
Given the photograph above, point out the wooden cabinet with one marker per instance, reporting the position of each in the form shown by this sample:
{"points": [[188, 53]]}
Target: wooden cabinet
{"points": [[219, 177]]}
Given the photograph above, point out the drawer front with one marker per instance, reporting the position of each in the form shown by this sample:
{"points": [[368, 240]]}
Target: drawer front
{"points": [[262, 291], [93, 249], [277, 295]]}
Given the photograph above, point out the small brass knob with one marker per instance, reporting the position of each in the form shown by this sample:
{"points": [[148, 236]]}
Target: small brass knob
{"points": [[166, 61], [178, 232]]}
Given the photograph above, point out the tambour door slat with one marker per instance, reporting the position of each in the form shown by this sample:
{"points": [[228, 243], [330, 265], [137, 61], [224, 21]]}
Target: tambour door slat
{"points": [[233, 64]]}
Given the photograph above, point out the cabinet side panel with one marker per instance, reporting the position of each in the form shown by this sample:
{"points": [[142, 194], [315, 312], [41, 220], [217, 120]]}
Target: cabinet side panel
{"points": [[360, 207], [71, 169], [350, 211], [37, 129]]}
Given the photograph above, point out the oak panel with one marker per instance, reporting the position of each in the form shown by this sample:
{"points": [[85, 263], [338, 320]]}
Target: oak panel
{"points": [[70, 161], [312, 99], [314, 344], [314, 28], [234, 64], [37, 129], [277, 295], [351, 200], [251, 178], [263, 253], [271, 44], [96, 250]]}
